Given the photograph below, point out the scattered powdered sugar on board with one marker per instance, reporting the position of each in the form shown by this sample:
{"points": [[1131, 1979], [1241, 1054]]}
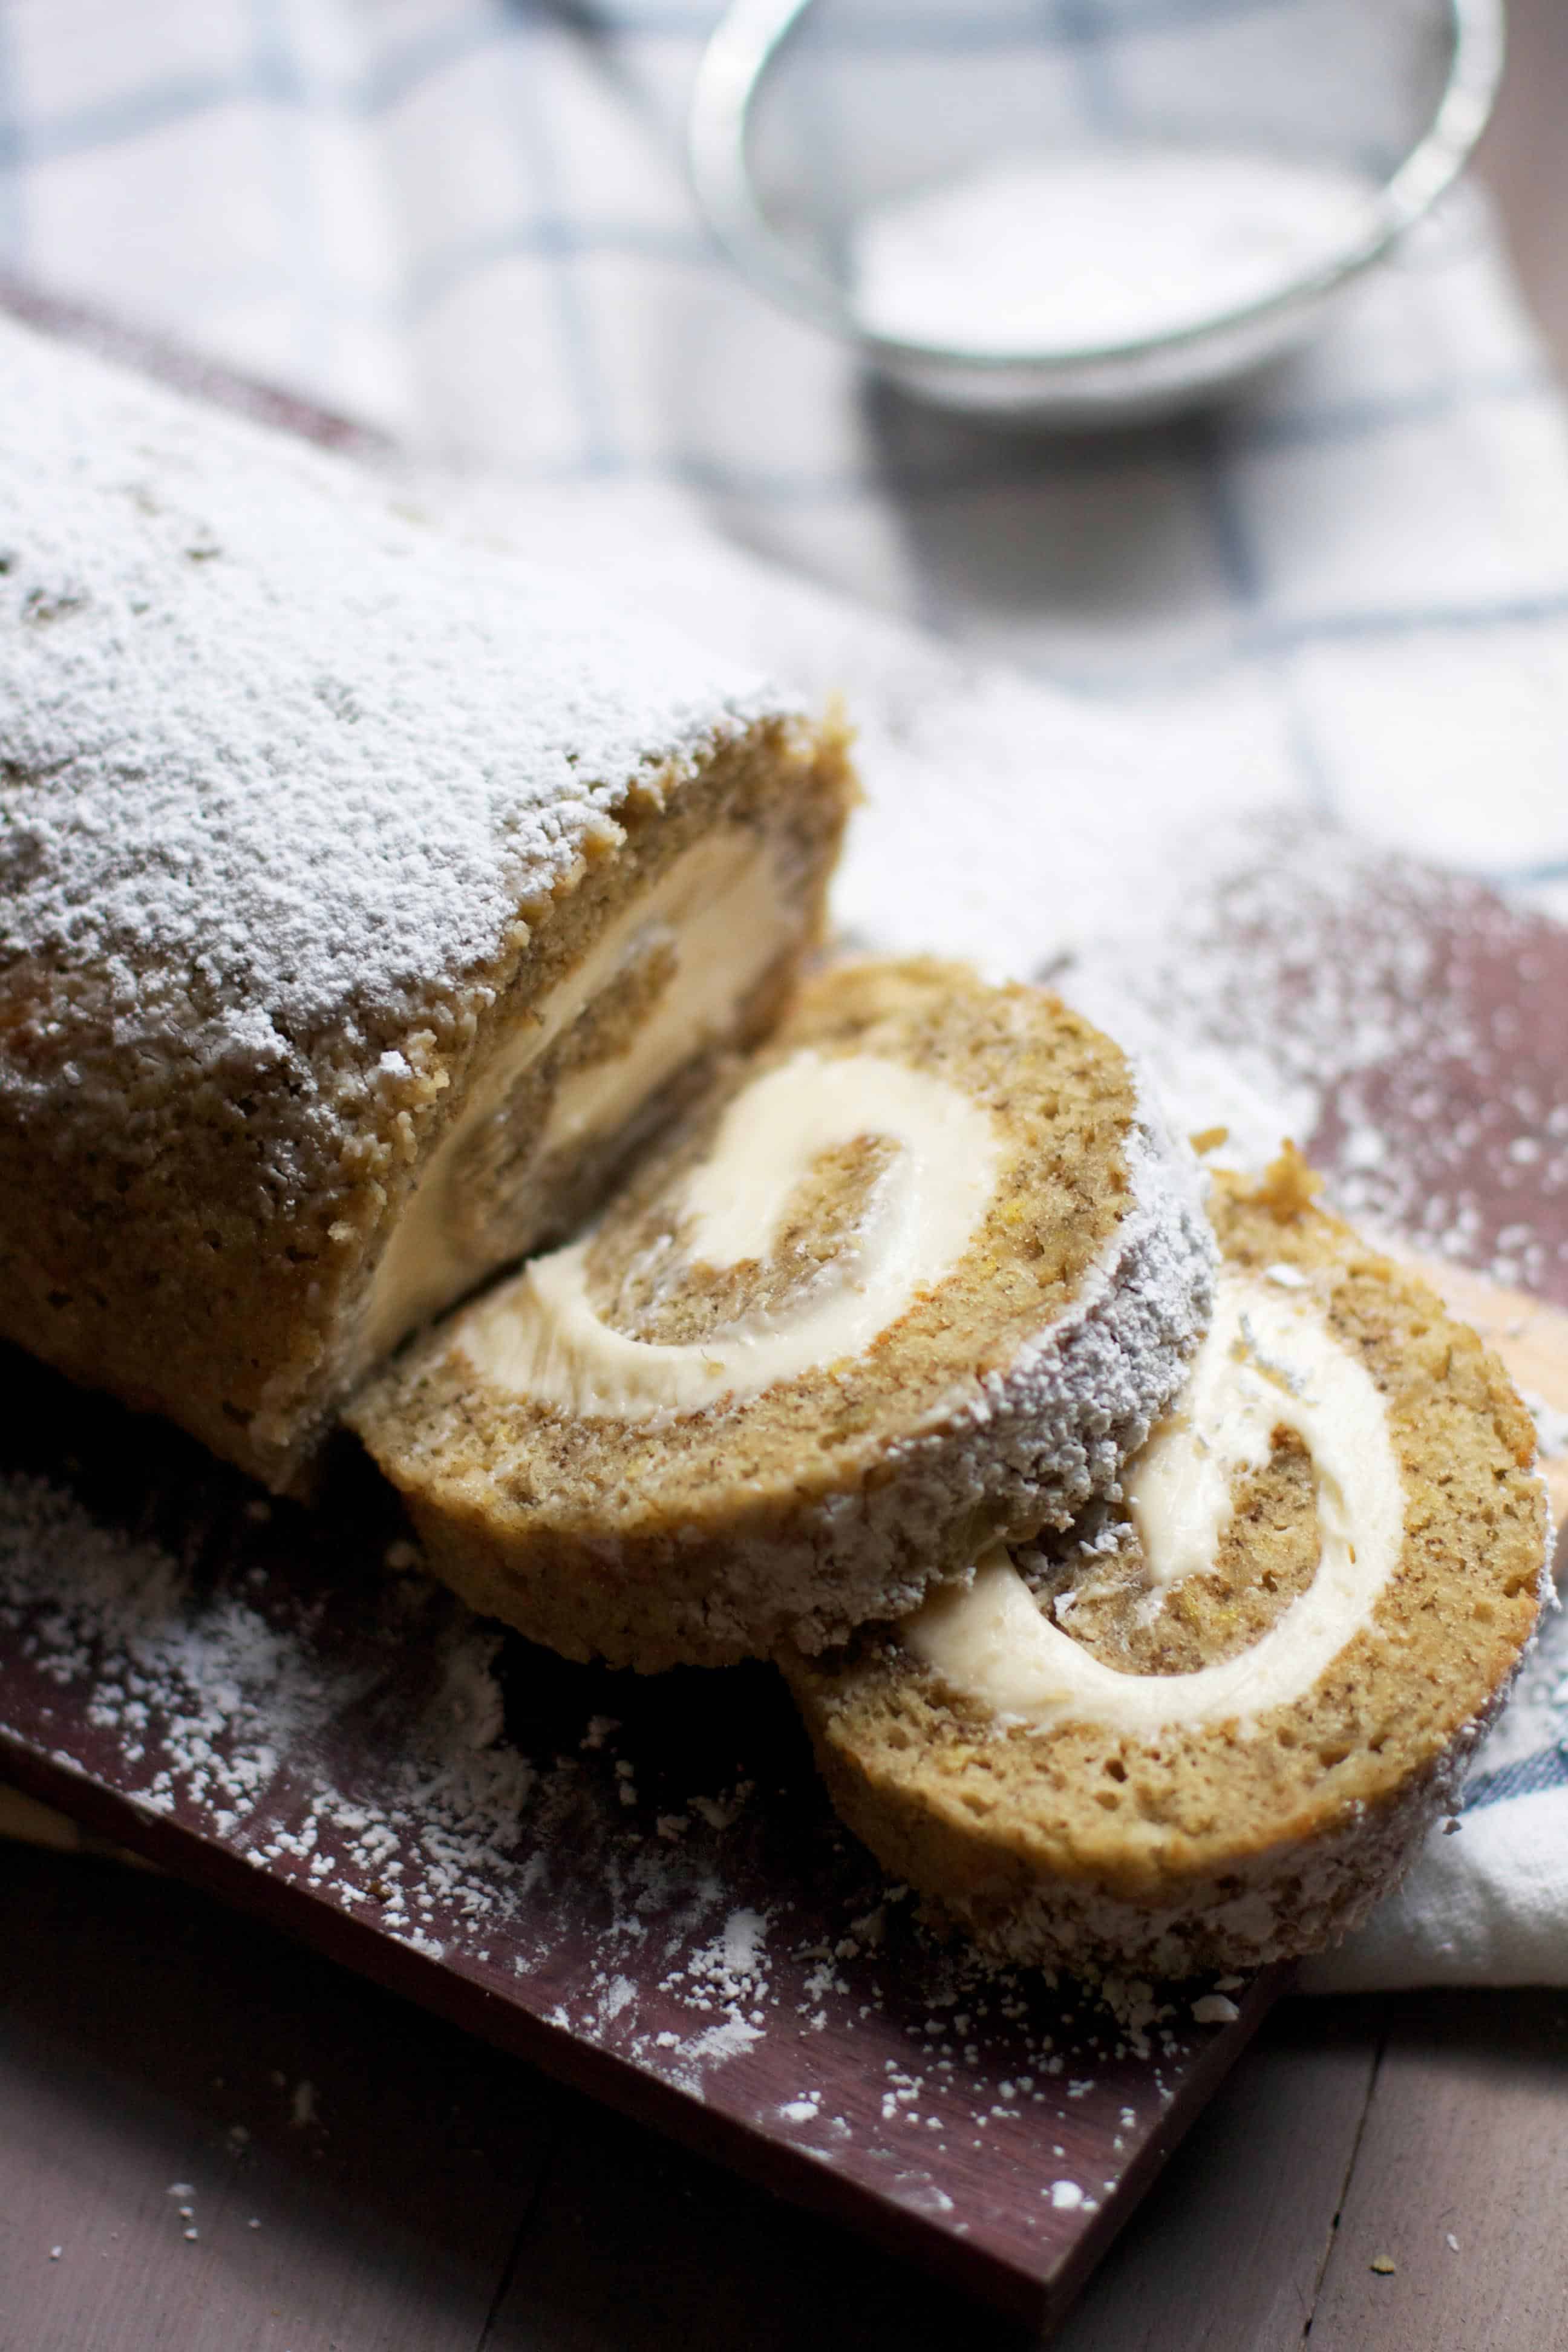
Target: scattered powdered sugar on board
{"points": [[204, 1694], [276, 1688], [1398, 1023]]}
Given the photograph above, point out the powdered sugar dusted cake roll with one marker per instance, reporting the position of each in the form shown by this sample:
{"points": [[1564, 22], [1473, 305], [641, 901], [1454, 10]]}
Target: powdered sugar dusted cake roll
{"points": [[365, 897], [917, 1275], [1214, 1730]]}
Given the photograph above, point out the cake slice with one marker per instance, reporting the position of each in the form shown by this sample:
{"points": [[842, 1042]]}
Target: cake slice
{"points": [[915, 1277], [1214, 1728], [364, 899]]}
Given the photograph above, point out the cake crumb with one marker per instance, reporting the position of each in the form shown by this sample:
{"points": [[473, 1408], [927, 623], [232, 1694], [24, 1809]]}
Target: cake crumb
{"points": [[1288, 1186], [1384, 2264], [720, 1813], [1214, 2009]]}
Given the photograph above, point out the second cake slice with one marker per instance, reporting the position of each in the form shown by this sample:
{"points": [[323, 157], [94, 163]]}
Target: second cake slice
{"points": [[919, 1275]]}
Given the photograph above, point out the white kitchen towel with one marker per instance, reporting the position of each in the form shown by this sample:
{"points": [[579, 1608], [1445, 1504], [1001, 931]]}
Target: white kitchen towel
{"points": [[466, 221]]}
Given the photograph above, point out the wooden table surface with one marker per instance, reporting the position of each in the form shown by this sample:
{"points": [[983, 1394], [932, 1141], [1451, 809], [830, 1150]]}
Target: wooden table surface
{"points": [[360, 2177]]}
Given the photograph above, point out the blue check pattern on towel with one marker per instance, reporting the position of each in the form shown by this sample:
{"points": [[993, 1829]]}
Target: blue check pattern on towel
{"points": [[466, 221]]}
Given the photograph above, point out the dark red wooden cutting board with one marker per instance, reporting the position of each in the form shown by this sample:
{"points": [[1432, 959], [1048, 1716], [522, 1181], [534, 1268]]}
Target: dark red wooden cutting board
{"points": [[639, 1885]]}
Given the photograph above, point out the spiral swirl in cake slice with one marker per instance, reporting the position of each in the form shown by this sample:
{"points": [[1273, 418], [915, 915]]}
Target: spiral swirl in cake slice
{"points": [[1212, 1728], [916, 1276]]}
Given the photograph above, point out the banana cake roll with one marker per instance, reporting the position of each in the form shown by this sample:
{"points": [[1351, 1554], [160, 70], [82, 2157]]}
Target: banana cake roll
{"points": [[917, 1275], [365, 897], [1215, 1727]]}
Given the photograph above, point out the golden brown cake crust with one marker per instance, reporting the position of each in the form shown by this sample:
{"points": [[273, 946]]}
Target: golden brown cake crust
{"points": [[999, 1399], [1229, 1846]]}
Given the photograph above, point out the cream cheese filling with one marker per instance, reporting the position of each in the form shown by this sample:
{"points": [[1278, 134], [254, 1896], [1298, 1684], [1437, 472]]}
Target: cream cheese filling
{"points": [[1268, 1363], [723, 913], [540, 1336]]}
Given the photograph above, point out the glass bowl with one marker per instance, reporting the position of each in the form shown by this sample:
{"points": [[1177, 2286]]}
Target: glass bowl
{"points": [[1075, 212]]}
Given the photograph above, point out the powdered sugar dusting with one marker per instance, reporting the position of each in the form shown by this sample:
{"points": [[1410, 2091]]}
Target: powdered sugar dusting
{"points": [[342, 1724], [1087, 1393], [1397, 1022], [280, 755]]}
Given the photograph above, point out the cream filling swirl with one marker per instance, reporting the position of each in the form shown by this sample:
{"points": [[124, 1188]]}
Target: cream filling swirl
{"points": [[542, 1337], [1268, 1363]]}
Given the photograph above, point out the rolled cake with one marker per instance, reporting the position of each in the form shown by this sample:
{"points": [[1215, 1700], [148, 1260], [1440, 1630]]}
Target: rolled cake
{"points": [[1214, 1729], [917, 1275], [365, 897]]}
